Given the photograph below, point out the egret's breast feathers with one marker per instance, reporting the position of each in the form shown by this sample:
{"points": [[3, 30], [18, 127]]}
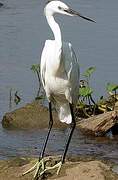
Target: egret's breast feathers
{"points": [[59, 68]]}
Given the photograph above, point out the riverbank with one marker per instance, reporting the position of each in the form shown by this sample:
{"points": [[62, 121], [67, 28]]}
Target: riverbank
{"points": [[73, 169], [35, 115]]}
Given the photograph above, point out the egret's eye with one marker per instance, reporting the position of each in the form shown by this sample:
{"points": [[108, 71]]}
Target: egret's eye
{"points": [[60, 8]]}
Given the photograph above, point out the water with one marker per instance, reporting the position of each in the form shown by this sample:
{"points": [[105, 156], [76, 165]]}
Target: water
{"points": [[23, 30]]}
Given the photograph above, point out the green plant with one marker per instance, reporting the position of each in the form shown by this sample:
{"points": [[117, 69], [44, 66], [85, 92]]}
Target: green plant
{"points": [[17, 98], [85, 90], [36, 69], [87, 74], [14, 98], [86, 101], [112, 88]]}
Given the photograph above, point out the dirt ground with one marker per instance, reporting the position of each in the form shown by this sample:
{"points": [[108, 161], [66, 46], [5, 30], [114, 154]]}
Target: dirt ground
{"points": [[80, 170]]}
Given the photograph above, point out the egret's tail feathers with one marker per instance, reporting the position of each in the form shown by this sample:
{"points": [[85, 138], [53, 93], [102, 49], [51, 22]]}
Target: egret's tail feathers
{"points": [[64, 113]]}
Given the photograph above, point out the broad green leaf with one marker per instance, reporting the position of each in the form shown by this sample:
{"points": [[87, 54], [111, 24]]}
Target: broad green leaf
{"points": [[111, 87], [85, 91], [89, 71]]}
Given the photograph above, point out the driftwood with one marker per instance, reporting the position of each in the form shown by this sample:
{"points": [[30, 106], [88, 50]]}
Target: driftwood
{"points": [[100, 124]]}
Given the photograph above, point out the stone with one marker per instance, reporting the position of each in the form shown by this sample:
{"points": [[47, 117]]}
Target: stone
{"points": [[32, 115]]}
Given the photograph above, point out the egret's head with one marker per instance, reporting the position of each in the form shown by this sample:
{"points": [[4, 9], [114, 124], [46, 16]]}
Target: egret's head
{"points": [[55, 6]]}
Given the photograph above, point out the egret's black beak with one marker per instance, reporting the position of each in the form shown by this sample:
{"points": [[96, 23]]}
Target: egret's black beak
{"points": [[72, 12]]}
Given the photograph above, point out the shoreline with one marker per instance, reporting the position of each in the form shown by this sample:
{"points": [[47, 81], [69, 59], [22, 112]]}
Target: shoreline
{"points": [[73, 169]]}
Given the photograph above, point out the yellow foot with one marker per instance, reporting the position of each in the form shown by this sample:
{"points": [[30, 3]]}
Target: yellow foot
{"points": [[38, 167], [58, 166]]}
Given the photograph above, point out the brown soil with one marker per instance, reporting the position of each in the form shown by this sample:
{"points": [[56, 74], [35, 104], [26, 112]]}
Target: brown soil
{"points": [[87, 170]]}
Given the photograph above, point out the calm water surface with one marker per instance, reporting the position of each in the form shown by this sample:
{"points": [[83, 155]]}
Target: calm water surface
{"points": [[23, 30]]}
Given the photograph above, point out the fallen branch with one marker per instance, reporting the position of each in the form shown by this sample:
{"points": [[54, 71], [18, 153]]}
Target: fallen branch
{"points": [[98, 125]]}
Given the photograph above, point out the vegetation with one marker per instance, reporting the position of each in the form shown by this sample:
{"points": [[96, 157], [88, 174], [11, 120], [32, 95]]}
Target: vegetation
{"points": [[112, 90], [86, 106], [14, 98], [40, 92], [36, 69]]}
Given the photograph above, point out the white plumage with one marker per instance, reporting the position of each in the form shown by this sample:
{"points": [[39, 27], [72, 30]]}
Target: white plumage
{"points": [[60, 78], [59, 67]]}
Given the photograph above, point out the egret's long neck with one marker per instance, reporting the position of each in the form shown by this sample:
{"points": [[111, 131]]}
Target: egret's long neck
{"points": [[55, 29]]}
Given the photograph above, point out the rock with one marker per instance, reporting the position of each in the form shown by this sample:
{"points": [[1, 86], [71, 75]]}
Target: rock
{"points": [[92, 170], [100, 124], [32, 115], [12, 169]]}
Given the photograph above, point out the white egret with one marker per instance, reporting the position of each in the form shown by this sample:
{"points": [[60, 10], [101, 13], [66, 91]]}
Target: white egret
{"points": [[60, 77]]}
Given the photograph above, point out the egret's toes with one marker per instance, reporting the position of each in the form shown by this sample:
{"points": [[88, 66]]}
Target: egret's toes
{"points": [[39, 167], [30, 170], [58, 166]]}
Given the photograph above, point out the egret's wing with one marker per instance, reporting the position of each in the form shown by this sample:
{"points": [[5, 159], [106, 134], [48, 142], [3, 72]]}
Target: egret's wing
{"points": [[76, 67], [72, 70], [70, 61]]}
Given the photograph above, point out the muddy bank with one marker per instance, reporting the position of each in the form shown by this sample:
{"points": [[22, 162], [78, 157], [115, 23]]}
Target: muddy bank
{"points": [[72, 169]]}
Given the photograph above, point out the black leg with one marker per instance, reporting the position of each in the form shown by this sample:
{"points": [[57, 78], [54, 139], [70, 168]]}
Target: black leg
{"points": [[73, 124], [49, 130]]}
